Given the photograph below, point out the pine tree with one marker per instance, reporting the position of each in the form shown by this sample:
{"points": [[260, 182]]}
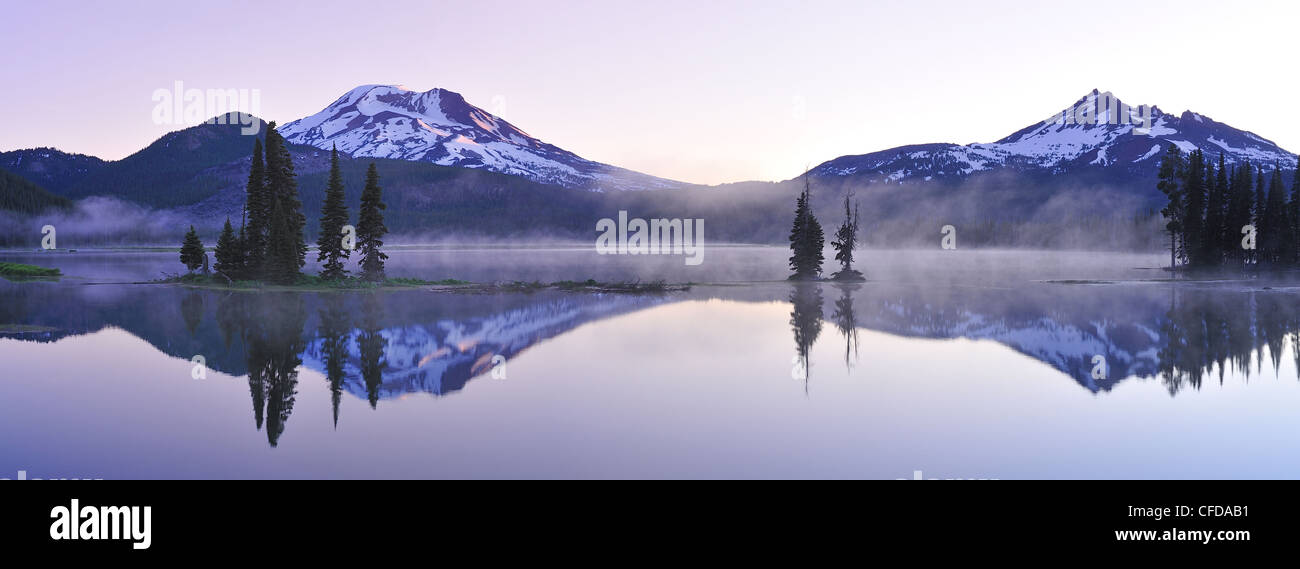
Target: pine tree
{"points": [[286, 249], [1240, 198], [228, 254], [1293, 219], [280, 247], [371, 229], [334, 215], [241, 245], [846, 240], [1274, 237], [1171, 185], [806, 238], [1216, 180], [1285, 230], [257, 210], [1194, 221], [193, 255], [1261, 205]]}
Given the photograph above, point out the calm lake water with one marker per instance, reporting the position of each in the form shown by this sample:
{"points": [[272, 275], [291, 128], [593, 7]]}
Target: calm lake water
{"points": [[956, 364]]}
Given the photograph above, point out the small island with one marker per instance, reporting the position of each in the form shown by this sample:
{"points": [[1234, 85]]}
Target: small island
{"points": [[314, 283], [269, 250], [808, 243]]}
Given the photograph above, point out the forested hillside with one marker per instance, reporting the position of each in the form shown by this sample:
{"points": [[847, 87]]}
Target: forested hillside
{"points": [[22, 196]]}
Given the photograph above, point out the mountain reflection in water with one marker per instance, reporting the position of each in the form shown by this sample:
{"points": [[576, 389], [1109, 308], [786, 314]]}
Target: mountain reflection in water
{"points": [[381, 345]]}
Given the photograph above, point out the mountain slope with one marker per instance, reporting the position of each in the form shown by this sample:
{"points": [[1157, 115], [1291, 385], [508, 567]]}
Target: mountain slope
{"points": [[171, 171], [439, 126], [20, 195]]}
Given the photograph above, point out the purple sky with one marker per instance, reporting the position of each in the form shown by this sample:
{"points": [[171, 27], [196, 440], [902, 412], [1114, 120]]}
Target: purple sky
{"points": [[704, 92]]}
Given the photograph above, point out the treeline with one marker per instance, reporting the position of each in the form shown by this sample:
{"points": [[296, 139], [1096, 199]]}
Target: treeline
{"points": [[271, 243], [19, 195], [1228, 215]]}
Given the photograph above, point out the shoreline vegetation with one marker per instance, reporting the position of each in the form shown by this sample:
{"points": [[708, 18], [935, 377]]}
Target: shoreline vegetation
{"points": [[23, 271], [312, 283]]}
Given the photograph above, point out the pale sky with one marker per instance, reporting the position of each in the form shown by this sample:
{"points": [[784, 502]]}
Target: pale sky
{"points": [[699, 91]]}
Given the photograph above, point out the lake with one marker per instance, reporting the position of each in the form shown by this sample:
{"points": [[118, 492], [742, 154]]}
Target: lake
{"points": [[946, 364]]}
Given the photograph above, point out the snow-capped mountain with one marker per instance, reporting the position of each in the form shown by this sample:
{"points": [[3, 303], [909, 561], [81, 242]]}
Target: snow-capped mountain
{"points": [[1098, 132], [439, 126]]}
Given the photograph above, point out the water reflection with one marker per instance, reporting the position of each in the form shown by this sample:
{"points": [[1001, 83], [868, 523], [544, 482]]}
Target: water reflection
{"points": [[271, 328], [372, 346], [382, 345], [1207, 331], [847, 323], [806, 320], [334, 336]]}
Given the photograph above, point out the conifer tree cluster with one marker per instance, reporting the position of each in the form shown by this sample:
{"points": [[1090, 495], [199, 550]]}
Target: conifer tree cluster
{"points": [[271, 244], [1214, 208]]}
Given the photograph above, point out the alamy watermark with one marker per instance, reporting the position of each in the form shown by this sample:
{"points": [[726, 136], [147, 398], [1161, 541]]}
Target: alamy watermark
{"points": [[1099, 369], [918, 475], [181, 106], [23, 475], [949, 240], [654, 237], [125, 523]]}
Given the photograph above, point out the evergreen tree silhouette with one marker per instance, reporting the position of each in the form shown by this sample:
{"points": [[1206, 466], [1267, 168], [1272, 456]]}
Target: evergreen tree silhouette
{"points": [[286, 246], [229, 256], [193, 255], [257, 210], [1240, 197], [806, 238], [334, 215], [1171, 185], [371, 229], [846, 241], [1194, 233]]}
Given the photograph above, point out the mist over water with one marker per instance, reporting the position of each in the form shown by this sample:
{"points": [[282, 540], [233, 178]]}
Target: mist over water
{"points": [[101, 222]]}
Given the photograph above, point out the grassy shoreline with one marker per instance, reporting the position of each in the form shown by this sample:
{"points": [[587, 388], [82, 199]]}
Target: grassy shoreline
{"points": [[21, 270]]}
